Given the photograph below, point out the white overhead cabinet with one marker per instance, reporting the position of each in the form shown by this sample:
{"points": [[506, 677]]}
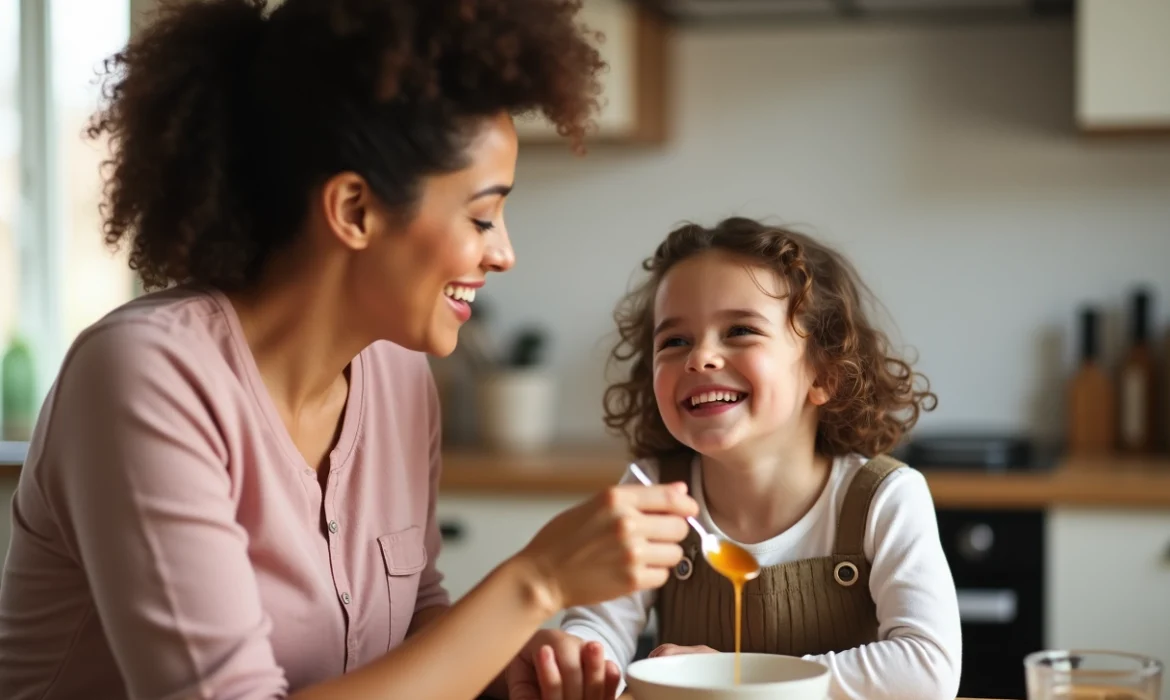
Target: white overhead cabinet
{"points": [[634, 84], [1123, 65]]}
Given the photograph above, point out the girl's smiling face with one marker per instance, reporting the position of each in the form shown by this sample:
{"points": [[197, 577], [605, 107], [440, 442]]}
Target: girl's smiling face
{"points": [[730, 373]]}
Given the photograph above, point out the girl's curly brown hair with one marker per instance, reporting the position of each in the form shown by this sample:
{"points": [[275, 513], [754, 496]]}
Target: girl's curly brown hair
{"points": [[873, 401], [223, 115]]}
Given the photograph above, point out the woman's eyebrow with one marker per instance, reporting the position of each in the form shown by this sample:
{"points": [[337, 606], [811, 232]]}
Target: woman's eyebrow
{"points": [[501, 190]]}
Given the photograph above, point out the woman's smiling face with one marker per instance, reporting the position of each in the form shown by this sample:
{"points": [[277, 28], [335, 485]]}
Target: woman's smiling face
{"points": [[416, 283]]}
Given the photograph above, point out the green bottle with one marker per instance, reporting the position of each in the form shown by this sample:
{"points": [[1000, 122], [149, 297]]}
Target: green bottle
{"points": [[17, 391]]}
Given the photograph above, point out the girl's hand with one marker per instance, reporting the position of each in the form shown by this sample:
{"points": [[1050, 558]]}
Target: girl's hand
{"points": [[555, 665], [624, 540], [675, 650]]}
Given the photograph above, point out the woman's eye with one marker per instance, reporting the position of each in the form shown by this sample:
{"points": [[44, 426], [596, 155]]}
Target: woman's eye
{"points": [[483, 225]]}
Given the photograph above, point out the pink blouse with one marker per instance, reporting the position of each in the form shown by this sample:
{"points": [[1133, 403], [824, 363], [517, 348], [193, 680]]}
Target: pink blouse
{"points": [[169, 541]]}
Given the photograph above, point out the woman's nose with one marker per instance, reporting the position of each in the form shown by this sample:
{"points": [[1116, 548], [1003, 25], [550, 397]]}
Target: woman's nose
{"points": [[498, 255]]}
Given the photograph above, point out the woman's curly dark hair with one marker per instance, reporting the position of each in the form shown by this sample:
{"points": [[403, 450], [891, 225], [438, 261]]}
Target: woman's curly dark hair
{"points": [[223, 115], [873, 401]]}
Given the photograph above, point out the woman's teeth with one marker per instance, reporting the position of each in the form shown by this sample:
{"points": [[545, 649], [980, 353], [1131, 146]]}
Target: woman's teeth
{"points": [[460, 293], [710, 396]]}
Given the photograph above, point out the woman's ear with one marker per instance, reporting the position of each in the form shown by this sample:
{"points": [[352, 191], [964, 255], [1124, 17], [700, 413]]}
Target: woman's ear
{"points": [[347, 203]]}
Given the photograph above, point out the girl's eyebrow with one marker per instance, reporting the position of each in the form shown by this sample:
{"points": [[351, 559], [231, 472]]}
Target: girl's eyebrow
{"points": [[728, 314]]}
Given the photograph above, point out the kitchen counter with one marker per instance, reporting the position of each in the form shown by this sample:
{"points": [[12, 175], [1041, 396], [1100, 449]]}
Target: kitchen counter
{"points": [[11, 455], [1108, 481]]}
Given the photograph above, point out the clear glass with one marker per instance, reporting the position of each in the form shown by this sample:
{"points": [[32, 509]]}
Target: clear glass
{"points": [[1092, 675], [95, 280], [9, 165]]}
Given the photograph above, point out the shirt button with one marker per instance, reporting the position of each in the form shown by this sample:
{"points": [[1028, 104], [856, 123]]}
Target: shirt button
{"points": [[308, 472], [332, 526], [345, 598]]}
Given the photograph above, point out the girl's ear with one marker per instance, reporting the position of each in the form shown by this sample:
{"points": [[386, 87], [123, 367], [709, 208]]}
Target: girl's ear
{"points": [[818, 395], [821, 390]]}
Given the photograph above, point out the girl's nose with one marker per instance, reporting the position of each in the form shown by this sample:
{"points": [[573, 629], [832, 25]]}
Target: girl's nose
{"points": [[702, 359]]}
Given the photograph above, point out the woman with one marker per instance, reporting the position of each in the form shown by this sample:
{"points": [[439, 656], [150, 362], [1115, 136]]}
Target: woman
{"points": [[231, 490]]}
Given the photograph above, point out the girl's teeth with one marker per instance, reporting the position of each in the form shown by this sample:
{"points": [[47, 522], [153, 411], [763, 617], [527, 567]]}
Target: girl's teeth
{"points": [[709, 396], [460, 293]]}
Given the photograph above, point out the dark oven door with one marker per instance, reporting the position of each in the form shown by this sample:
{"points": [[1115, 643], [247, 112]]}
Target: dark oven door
{"points": [[997, 560]]}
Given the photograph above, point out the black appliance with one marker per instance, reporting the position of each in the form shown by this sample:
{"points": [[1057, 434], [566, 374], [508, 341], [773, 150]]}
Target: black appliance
{"points": [[996, 558], [979, 452]]}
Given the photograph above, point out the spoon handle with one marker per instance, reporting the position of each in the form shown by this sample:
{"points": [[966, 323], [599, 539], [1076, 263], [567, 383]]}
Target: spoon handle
{"points": [[641, 476]]}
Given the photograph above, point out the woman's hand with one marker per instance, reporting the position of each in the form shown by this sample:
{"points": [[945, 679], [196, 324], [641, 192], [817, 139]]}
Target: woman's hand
{"points": [[676, 650], [623, 540], [555, 665]]}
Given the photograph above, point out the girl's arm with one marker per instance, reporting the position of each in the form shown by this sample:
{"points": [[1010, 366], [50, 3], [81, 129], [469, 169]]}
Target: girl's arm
{"points": [[615, 624], [920, 648]]}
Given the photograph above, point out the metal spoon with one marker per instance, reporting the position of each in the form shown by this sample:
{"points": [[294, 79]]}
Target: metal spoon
{"points": [[715, 551]]}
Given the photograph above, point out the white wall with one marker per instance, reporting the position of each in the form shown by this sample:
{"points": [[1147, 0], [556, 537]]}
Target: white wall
{"points": [[942, 160]]}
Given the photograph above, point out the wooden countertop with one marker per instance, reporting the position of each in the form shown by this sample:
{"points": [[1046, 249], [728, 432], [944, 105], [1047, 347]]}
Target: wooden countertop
{"points": [[11, 455], [1109, 481]]}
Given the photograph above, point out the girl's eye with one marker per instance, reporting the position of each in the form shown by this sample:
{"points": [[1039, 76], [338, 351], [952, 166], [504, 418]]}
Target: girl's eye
{"points": [[483, 225], [670, 343], [742, 330]]}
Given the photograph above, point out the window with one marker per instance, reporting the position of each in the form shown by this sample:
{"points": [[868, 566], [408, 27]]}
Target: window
{"points": [[94, 280], [9, 162], [56, 274]]}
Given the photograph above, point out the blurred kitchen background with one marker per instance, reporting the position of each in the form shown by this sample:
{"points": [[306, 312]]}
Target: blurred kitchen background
{"points": [[998, 171]]}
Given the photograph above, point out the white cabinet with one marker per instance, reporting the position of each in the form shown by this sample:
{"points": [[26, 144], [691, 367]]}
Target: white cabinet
{"points": [[483, 531], [1123, 65], [1109, 581], [633, 85]]}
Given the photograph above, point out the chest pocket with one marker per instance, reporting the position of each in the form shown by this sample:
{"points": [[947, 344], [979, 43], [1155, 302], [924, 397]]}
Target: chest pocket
{"points": [[405, 555]]}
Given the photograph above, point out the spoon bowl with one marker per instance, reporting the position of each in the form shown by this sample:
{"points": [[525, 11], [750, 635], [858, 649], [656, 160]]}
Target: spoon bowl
{"points": [[725, 556]]}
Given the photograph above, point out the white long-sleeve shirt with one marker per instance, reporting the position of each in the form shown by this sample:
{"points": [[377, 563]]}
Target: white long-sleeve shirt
{"points": [[918, 655]]}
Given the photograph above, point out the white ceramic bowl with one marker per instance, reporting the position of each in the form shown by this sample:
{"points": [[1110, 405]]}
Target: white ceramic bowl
{"points": [[712, 677]]}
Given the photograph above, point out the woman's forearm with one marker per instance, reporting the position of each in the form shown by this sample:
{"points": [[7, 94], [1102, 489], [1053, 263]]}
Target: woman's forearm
{"points": [[497, 689], [457, 655], [423, 618]]}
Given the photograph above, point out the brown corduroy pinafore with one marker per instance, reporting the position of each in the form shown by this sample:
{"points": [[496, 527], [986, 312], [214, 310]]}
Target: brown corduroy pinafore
{"points": [[810, 606]]}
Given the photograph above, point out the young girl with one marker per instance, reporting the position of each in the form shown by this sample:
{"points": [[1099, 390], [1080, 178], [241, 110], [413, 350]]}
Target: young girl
{"points": [[756, 376]]}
